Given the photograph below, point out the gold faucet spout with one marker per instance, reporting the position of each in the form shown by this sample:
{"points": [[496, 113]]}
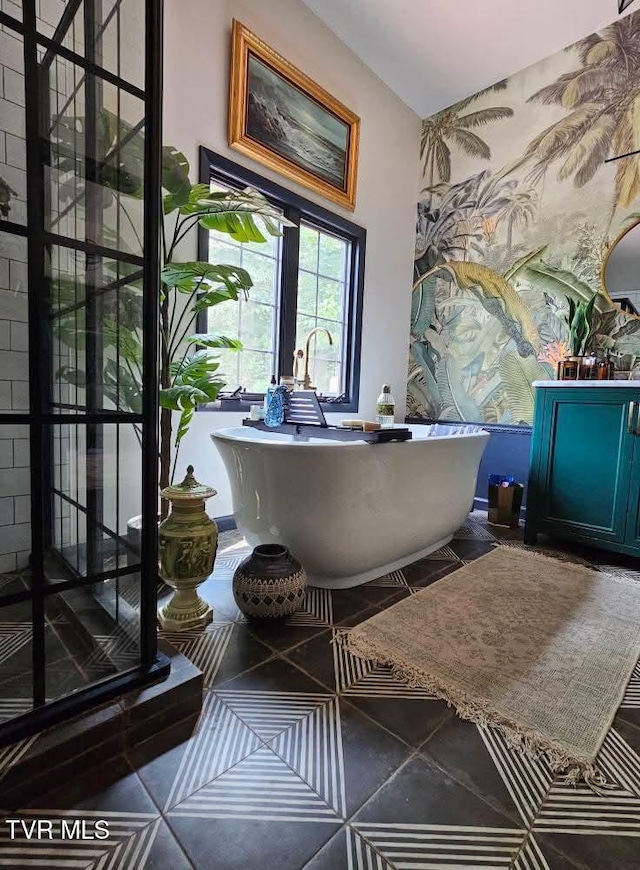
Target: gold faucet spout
{"points": [[307, 378]]}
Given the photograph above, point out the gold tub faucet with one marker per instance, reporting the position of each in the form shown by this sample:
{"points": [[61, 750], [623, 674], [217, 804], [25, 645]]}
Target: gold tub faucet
{"points": [[299, 355]]}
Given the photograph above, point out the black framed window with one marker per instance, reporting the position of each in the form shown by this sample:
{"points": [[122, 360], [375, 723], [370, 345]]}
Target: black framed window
{"points": [[310, 278]]}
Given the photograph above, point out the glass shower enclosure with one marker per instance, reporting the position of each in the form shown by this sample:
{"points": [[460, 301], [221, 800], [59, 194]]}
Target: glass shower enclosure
{"points": [[80, 109]]}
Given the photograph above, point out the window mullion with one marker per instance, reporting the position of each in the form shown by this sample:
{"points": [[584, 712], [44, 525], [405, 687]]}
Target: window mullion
{"points": [[289, 291]]}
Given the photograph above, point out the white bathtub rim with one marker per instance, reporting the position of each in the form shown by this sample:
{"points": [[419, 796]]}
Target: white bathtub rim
{"points": [[353, 580], [234, 434]]}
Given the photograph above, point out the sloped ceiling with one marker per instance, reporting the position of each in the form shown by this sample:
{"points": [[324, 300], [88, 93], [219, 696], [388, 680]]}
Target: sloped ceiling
{"points": [[432, 53]]}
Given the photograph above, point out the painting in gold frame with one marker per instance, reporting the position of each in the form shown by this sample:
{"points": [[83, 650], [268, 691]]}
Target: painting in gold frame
{"points": [[283, 119]]}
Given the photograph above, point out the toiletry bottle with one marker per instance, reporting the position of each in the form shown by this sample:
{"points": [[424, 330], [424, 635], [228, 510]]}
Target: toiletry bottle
{"points": [[269, 393], [385, 408], [605, 368], [588, 367]]}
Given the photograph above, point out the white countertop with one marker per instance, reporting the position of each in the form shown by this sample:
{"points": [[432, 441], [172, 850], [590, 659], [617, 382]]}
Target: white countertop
{"points": [[599, 384]]}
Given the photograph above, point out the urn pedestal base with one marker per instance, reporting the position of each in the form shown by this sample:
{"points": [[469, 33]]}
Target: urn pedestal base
{"points": [[185, 610]]}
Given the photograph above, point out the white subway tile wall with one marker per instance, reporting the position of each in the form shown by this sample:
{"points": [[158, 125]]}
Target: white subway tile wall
{"points": [[15, 528]]}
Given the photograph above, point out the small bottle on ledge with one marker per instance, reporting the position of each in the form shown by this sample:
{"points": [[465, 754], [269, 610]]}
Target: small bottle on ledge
{"points": [[386, 408]]}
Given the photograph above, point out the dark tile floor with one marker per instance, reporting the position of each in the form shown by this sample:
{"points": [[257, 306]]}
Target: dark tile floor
{"points": [[305, 757]]}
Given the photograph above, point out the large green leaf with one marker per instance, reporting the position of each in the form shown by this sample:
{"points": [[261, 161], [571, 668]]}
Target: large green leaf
{"points": [[558, 282], [518, 374], [424, 378], [213, 297], [186, 277], [181, 396], [211, 340], [423, 305], [520, 264], [457, 404], [199, 365], [122, 387], [194, 382], [175, 179], [76, 377], [236, 213], [127, 343]]}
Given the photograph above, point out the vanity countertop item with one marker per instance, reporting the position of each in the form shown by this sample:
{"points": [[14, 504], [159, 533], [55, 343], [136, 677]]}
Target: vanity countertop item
{"points": [[599, 384]]}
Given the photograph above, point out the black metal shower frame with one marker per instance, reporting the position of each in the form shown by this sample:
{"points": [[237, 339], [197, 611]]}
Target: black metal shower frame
{"points": [[41, 417]]}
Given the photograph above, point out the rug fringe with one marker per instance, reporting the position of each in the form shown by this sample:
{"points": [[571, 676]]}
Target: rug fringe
{"points": [[575, 769]]}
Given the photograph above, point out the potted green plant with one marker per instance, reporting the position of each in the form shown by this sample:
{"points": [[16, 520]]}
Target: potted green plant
{"points": [[189, 365], [190, 368], [580, 321]]}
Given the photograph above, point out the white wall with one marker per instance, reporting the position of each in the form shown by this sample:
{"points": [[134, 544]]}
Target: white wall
{"points": [[197, 52]]}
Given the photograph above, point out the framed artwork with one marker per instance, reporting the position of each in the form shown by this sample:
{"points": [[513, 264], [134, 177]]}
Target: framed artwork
{"points": [[283, 119]]}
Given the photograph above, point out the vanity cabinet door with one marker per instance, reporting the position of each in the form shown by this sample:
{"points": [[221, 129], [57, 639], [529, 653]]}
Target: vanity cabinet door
{"points": [[632, 537], [585, 453]]}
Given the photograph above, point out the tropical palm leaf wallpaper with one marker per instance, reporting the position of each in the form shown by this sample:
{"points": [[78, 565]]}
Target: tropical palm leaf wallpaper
{"points": [[516, 211]]}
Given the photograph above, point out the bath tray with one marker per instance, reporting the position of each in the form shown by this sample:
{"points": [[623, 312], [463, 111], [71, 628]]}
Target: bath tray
{"points": [[334, 433], [304, 416]]}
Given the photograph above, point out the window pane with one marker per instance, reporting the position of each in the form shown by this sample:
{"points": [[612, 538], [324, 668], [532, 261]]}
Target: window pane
{"points": [[332, 256], [330, 299], [307, 292], [224, 319], [255, 370], [254, 320], [321, 303], [257, 326], [270, 247], [222, 252], [308, 248], [304, 325], [229, 368], [264, 274]]}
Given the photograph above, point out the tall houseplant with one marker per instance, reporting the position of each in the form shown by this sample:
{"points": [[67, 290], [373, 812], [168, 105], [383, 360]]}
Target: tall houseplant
{"points": [[189, 367]]}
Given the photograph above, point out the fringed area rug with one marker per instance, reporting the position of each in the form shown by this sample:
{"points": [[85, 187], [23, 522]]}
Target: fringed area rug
{"points": [[540, 648]]}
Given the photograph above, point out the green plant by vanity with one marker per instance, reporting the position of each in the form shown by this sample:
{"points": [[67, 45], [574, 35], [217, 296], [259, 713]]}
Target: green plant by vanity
{"points": [[580, 322]]}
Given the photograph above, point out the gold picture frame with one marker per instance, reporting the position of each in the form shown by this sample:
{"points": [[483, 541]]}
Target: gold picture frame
{"points": [[284, 120]]}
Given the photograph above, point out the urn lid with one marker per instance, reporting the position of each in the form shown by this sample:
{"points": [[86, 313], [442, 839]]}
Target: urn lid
{"points": [[188, 489]]}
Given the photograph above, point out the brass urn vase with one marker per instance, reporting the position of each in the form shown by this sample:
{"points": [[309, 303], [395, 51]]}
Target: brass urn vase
{"points": [[187, 544]]}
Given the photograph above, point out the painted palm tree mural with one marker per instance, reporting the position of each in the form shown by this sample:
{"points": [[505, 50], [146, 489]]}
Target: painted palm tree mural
{"points": [[512, 225], [451, 126]]}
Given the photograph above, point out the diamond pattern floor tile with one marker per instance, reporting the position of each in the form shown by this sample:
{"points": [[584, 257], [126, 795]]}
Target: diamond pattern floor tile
{"points": [[306, 757]]}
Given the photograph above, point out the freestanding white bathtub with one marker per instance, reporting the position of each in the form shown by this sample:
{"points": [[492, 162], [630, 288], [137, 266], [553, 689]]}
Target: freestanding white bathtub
{"points": [[352, 511]]}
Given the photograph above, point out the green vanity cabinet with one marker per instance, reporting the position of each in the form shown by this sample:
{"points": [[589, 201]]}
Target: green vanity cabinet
{"points": [[584, 477]]}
